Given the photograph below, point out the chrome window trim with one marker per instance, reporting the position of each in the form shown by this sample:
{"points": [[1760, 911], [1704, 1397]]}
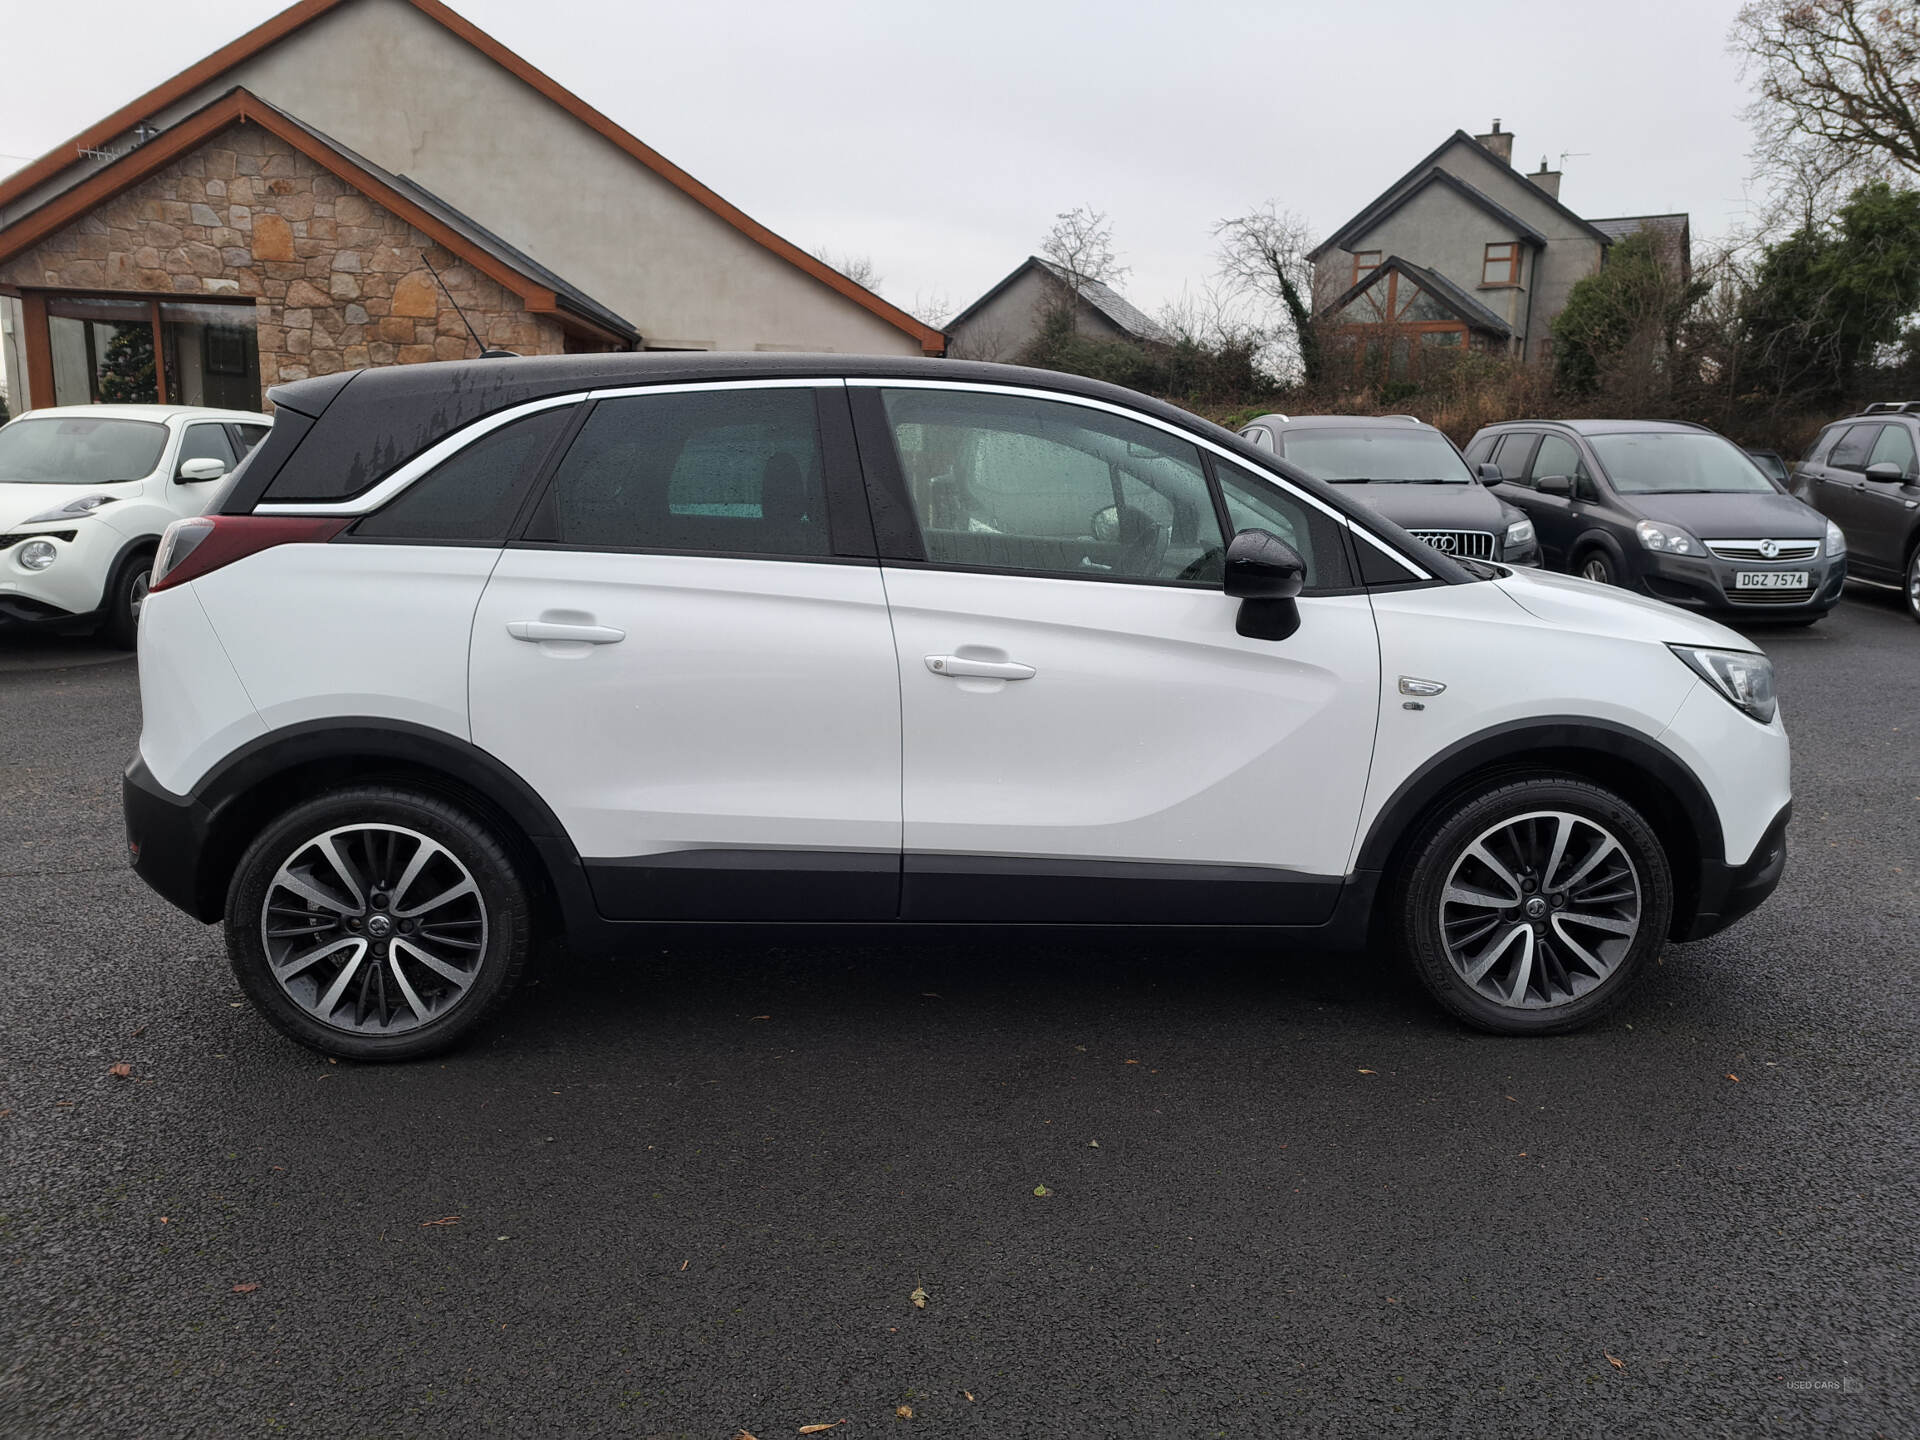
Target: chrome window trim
{"points": [[1028, 392]]}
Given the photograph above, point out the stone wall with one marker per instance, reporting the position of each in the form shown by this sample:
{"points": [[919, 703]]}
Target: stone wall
{"points": [[337, 280]]}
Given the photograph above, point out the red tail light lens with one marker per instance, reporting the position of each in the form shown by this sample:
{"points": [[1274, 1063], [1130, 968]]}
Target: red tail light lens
{"points": [[196, 547]]}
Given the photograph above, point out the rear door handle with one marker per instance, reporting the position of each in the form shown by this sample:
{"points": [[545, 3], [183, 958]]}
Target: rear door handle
{"points": [[960, 667], [538, 630]]}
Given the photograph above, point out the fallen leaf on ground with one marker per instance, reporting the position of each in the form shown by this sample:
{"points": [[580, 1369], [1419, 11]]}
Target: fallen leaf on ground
{"points": [[141, 1031], [905, 1412], [443, 1220], [967, 1393], [1365, 1071], [820, 1429], [1733, 1077], [1093, 1144], [759, 1017], [246, 1289], [919, 1297], [1042, 1191], [120, 1071], [686, 1262], [1615, 1361]]}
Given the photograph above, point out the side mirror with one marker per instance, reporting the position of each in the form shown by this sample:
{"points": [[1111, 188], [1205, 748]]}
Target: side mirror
{"points": [[1265, 574], [192, 472], [1489, 474], [1561, 485], [1886, 472]]}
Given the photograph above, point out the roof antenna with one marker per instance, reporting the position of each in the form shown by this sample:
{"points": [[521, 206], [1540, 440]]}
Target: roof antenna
{"points": [[485, 353]]}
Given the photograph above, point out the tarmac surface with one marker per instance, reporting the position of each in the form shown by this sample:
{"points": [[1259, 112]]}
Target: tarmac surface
{"points": [[692, 1192]]}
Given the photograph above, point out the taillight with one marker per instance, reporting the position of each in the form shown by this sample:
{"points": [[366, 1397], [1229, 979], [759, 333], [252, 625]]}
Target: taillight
{"points": [[194, 547]]}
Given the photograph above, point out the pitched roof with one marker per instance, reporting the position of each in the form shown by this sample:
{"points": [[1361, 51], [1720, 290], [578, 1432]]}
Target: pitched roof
{"points": [[1392, 192], [1387, 204], [1101, 296], [298, 16], [1620, 227], [1476, 315], [540, 289]]}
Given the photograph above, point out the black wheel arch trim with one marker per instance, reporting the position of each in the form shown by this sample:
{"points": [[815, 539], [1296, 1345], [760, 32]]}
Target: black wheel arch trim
{"points": [[229, 803], [1518, 743]]}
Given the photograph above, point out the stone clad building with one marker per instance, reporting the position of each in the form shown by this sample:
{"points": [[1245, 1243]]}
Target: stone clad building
{"points": [[221, 235]]}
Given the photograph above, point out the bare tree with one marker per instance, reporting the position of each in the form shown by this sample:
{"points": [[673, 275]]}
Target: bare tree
{"points": [[1839, 83], [1263, 254], [858, 268], [1081, 243]]}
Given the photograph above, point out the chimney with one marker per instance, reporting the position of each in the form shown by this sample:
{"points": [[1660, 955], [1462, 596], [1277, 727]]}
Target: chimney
{"points": [[1547, 180], [1500, 142]]}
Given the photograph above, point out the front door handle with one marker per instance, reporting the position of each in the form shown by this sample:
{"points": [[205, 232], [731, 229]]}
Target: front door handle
{"points": [[538, 630], [960, 667]]}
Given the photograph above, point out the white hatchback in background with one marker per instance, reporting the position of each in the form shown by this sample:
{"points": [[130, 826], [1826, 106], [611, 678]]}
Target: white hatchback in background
{"points": [[580, 644], [85, 493]]}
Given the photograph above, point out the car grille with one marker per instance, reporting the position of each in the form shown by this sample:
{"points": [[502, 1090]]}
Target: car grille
{"points": [[1474, 544], [1750, 550], [1770, 597]]}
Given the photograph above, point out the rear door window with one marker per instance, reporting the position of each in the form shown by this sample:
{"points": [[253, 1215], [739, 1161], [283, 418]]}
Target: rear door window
{"points": [[730, 472], [1853, 448]]}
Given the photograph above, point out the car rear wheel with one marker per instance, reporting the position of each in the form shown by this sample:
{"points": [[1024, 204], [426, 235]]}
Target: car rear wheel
{"points": [[1530, 908], [1597, 567], [1913, 583], [377, 923], [126, 593]]}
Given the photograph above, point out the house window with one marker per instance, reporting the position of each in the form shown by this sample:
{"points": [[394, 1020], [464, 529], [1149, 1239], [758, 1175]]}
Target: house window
{"points": [[1365, 262], [125, 350], [1501, 265]]}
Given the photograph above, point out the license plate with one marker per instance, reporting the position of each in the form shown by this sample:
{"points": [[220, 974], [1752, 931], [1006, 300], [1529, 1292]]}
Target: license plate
{"points": [[1770, 580]]}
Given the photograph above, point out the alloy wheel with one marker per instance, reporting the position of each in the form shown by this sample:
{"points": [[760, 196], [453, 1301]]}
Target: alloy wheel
{"points": [[1540, 909], [1913, 585], [1596, 570], [137, 591], [374, 929]]}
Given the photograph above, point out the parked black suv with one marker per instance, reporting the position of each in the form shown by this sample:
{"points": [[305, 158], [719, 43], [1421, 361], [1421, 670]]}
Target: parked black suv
{"points": [[1671, 510], [1862, 475], [1408, 471]]}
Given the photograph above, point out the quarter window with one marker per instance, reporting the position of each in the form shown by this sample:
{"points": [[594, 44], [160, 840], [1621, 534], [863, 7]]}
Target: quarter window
{"points": [[1501, 264], [1254, 504], [1895, 447], [1003, 482], [473, 495], [736, 472]]}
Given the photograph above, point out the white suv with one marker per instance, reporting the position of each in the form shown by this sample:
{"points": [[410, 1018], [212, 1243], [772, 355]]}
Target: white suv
{"points": [[475, 653], [85, 492]]}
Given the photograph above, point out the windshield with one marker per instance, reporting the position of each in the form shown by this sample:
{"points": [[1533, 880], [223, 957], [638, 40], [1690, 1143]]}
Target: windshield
{"points": [[74, 450], [1671, 463], [1380, 456]]}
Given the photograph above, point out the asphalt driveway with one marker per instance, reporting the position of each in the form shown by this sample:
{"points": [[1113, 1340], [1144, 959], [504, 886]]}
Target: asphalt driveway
{"points": [[692, 1192]]}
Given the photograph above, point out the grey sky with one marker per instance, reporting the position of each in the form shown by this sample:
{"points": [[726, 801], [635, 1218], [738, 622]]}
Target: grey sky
{"points": [[941, 139]]}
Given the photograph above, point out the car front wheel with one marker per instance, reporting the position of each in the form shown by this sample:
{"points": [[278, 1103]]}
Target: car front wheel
{"points": [[1530, 908], [1595, 566], [1913, 584], [126, 593], [377, 923]]}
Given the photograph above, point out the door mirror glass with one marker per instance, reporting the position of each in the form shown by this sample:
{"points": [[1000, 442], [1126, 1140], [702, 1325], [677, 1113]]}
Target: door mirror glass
{"points": [[205, 468], [1561, 485], [1884, 470], [1489, 474]]}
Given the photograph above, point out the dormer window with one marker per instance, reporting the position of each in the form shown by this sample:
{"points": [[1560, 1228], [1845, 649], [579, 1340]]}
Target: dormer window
{"points": [[1502, 264], [1365, 262]]}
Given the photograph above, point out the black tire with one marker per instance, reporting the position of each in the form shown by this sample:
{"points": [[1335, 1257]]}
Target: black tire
{"points": [[1596, 565], [382, 1020], [1442, 843], [126, 591], [1912, 585]]}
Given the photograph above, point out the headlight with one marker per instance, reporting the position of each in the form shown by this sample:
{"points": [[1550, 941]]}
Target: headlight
{"points": [[1669, 539], [1519, 535], [37, 555], [1745, 679], [85, 505], [1836, 541]]}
